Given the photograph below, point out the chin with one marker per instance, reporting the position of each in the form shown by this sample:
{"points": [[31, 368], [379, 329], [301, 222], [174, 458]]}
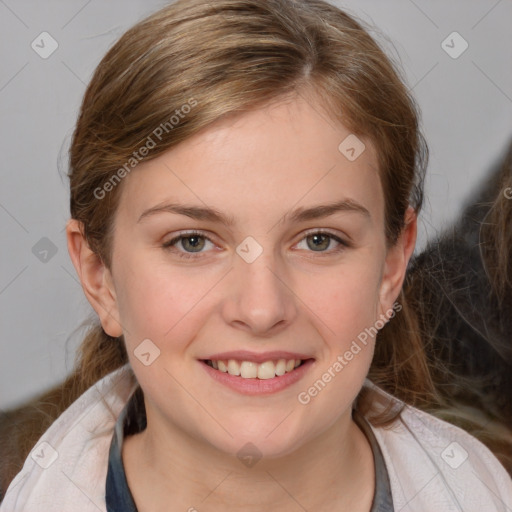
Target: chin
{"points": [[252, 441]]}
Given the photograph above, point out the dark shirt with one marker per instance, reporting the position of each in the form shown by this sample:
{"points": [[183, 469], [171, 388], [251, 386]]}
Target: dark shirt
{"points": [[133, 420]]}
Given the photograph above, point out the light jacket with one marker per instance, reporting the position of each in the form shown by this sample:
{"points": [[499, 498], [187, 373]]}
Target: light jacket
{"points": [[433, 466]]}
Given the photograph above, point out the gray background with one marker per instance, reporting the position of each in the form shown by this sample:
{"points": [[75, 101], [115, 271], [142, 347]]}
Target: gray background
{"points": [[467, 119]]}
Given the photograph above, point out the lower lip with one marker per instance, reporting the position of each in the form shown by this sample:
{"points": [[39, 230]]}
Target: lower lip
{"points": [[258, 386]]}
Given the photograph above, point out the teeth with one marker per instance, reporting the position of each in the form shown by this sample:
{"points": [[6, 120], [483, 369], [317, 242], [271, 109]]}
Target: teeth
{"points": [[267, 370], [251, 370], [248, 370], [233, 367], [281, 367]]}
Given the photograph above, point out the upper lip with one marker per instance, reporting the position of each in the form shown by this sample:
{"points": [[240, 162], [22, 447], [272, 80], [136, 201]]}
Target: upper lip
{"points": [[245, 355]]}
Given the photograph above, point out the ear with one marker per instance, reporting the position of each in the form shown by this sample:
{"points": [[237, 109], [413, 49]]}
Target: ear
{"points": [[95, 277], [395, 265]]}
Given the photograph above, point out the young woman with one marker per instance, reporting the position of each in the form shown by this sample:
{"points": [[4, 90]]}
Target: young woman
{"points": [[245, 178]]}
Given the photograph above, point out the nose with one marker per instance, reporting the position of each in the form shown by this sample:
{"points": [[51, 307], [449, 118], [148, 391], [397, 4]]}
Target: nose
{"points": [[260, 300]]}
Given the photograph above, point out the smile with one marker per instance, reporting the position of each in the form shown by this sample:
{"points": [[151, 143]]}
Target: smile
{"points": [[252, 370], [256, 378]]}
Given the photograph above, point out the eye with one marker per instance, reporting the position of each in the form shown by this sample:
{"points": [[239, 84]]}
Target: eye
{"points": [[186, 244], [321, 241], [190, 245]]}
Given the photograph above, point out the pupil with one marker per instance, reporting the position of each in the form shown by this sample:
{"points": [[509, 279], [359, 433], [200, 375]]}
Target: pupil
{"points": [[194, 242], [322, 239]]}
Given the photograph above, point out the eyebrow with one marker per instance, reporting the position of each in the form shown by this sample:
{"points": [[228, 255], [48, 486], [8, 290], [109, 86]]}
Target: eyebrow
{"points": [[300, 214]]}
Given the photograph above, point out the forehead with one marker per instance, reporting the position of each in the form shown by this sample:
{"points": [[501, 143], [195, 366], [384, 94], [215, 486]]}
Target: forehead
{"points": [[261, 164]]}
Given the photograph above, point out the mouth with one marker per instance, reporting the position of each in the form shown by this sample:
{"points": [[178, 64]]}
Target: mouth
{"points": [[257, 378], [253, 370]]}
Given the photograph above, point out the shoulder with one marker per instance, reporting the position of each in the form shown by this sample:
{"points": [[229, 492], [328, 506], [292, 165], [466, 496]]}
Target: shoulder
{"points": [[67, 467], [434, 465]]}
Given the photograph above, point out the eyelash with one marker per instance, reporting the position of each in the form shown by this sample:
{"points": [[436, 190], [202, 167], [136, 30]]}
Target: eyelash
{"points": [[169, 245]]}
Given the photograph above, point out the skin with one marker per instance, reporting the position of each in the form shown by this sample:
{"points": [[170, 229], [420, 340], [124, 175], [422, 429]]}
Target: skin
{"points": [[255, 167]]}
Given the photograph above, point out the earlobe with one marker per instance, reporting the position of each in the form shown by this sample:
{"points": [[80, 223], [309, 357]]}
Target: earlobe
{"points": [[95, 278], [397, 259]]}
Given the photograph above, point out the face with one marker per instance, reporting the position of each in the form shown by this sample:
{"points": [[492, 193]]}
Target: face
{"points": [[255, 241]]}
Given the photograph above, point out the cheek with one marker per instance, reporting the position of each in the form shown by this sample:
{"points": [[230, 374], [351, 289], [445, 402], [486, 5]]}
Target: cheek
{"points": [[166, 303], [345, 302], [154, 303], [347, 307]]}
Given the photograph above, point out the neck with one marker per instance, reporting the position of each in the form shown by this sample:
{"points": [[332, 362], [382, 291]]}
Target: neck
{"points": [[166, 466]]}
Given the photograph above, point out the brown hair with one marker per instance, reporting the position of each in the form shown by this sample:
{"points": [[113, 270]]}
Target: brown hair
{"points": [[224, 58], [461, 287]]}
